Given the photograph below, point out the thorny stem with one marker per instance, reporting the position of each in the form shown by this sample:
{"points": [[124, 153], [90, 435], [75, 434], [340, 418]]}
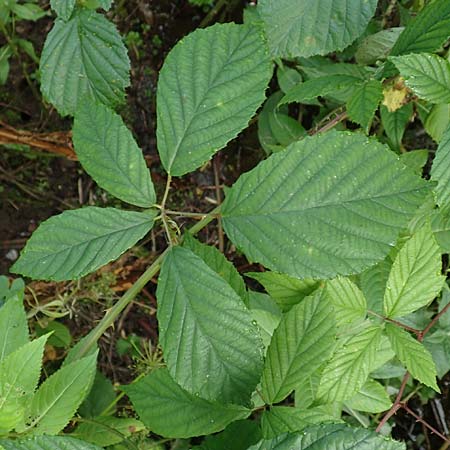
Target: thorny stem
{"points": [[399, 403], [330, 121], [111, 315]]}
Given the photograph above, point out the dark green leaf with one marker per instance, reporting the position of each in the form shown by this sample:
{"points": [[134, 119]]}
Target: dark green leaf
{"points": [[47, 443], [395, 122], [63, 8]]}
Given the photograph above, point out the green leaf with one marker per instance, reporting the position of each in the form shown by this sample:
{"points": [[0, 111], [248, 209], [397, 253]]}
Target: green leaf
{"points": [[373, 284], [210, 344], [19, 376], [84, 56], [63, 8], [168, 410], [440, 172], [394, 123], [415, 278], [104, 431], [237, 436], [372, 398], [47, 443], [413, 355], [60, 334], [28, 11], [376, 47], [438, 121], [350, 366], [276, 129], [217, 262], [348, 302], [210, 86], [288, 77], [330, 437], [100, 397], [13, 326], [440, 224], [75, 243], [427, 75], [284, 419], [302, 342], [57, 399], [364, 102], [287, 291], [438, 344], [109, 154], [313, 27], [330, 204], [15, 290], [427, 32], [321, 86]]}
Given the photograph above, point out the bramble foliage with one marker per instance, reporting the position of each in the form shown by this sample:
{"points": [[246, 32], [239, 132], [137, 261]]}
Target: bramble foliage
{"points": [[344, 221]]}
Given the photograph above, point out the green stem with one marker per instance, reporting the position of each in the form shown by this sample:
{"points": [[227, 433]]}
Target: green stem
{"points": [[111, 315]]}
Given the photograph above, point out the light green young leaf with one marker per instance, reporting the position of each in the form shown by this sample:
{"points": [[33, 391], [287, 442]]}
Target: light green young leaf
{"points": [[313, 27], [438, 121], [63, 8], [376, 47], [372, 398], [13, 326], [348, 302], [104, 431], [364, 102], [415, 278], [28, 11], [329, 204], [302, 342], [427, 75], [427, 32], [318, 87], [394, 123], [75, 243], [168, 410], [219, 263], [19, 376], [350, 366], [287, 291], [330, 437], [373, 284], [210, 86], [84, 56], [416, 358], [108, 152], [47, 443], [306, 390], [57, 399], [286, 419], [440, 172], [210, 344]]}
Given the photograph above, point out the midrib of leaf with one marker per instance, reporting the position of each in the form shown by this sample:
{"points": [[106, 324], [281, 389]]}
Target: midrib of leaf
{"points": [[194, 114], [437, 72], [204, 335], [51, 405]]}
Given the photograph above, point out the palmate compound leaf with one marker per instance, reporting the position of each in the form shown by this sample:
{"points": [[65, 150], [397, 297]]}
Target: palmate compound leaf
{"points": [[415, 278], [211, 345], [57, 399], [47, 443], [84, 56], [427, 75], [210, 86], [108, 152], [330, 437], [302, 342], [313, 27], [440, 172], [75, 243], [350, 365], [19, 376], [413, 355], [168, 410], [330, 204]]}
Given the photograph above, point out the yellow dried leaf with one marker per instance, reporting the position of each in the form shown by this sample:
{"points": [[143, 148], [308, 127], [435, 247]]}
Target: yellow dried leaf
{"points": [[395, 95]]}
